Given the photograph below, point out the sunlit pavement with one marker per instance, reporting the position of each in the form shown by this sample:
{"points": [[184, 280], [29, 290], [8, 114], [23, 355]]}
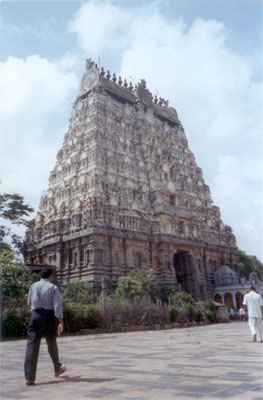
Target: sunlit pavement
{"points": [[207, 362]]}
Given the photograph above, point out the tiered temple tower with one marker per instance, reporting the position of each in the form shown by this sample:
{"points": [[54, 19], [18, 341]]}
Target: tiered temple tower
{"points": [[127, 193]]}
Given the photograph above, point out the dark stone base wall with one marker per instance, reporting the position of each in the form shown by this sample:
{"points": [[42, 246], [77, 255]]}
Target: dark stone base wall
{"points": [[91, 256]]}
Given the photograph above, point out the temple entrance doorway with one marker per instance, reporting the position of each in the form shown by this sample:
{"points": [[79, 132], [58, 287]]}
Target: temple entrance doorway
{"points": [[182, 268]]}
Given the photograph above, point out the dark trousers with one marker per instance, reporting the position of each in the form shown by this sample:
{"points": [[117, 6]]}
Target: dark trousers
{"points": [[42, 322]]}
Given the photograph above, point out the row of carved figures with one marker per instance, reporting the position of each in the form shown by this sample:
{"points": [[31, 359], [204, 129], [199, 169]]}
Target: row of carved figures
{"points": [[160, 101]]}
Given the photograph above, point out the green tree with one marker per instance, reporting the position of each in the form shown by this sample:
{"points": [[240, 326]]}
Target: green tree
{"points": [[77, 292], [129, 288], [165, 293], [139, 283], [247, 264], [15, 279], [181, 298], [12, 210]]}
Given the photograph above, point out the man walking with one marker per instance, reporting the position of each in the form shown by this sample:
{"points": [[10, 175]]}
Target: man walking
{"points": [[253, 304], [45, 303]]}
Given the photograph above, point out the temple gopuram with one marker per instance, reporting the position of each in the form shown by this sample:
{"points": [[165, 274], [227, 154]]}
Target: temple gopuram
{"points": [[126, 193]]}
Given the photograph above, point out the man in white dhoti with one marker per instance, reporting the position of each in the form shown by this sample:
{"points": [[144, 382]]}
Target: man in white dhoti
{"points": [[253, 304]]}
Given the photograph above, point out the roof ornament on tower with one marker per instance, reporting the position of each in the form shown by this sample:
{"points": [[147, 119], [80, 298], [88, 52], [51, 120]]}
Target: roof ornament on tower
{"points": [[143, 93], [89, 63]]}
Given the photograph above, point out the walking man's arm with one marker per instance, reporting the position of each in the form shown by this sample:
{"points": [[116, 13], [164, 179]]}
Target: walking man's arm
{"points": [[58, 310], [60, 326], [29, 298], [245, 309], [245, 306]]}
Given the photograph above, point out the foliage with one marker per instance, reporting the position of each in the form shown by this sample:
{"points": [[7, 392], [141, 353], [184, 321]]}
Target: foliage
{"points": [[209, 305], [190, 311], [13, 210], [128, 288], [78, 316], [77, 292], [173, 314], [165, 293], [209, 310], [182, 298], [184, 308], [15, 322], [198, 313], [121, 312], [139, 283], [148, 281], [210, 315], [248, 263], [15, 278]]}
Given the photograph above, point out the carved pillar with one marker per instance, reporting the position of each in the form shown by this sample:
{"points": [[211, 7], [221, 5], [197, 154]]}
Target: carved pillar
{"points": [[150, 254], [110, 256], [80, 258], [195, 289], [70, 259], [124, 247], [59, 261], [234, 300], [223, 298], [77, 264]]}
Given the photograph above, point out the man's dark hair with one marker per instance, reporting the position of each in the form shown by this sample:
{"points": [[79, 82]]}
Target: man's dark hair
{"points": [[252, 288], [46, 273]]}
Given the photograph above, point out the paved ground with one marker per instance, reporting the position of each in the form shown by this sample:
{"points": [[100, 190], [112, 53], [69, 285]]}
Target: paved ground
{"points": [[208, 362]]}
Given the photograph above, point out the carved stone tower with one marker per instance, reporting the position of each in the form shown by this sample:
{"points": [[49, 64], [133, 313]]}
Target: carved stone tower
{"points": [[127, 193]]}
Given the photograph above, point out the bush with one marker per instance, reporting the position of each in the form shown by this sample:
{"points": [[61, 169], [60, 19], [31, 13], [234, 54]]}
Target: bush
{"points": [[93, 316], [198, 314], [210, 305], [190, 311], [173, 314], [78, 316], [77, 292], [121, 312], [139, 283], [210, 315], [165, 293], [15, 278], [129, 288], [73, 316], [15, 323], [182, 298]]}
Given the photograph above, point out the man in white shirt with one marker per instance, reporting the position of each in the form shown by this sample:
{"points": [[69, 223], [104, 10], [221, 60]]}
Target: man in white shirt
{"points": [[46, 319], [253, 304]]}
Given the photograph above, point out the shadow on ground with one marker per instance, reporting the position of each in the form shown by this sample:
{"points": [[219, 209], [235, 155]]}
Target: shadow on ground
{"points": [[77, 379]]}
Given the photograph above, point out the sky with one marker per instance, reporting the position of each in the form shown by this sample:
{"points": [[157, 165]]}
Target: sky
{"points": [[205, 57]]}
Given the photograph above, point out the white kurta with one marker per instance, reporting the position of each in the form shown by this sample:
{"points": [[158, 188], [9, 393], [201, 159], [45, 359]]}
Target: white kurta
{"points": [[254, 302]]}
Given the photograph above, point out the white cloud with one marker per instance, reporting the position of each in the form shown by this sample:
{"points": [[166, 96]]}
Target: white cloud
{"points": [[237, 188], [35, 94], [212, 86], [100, 26]]}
